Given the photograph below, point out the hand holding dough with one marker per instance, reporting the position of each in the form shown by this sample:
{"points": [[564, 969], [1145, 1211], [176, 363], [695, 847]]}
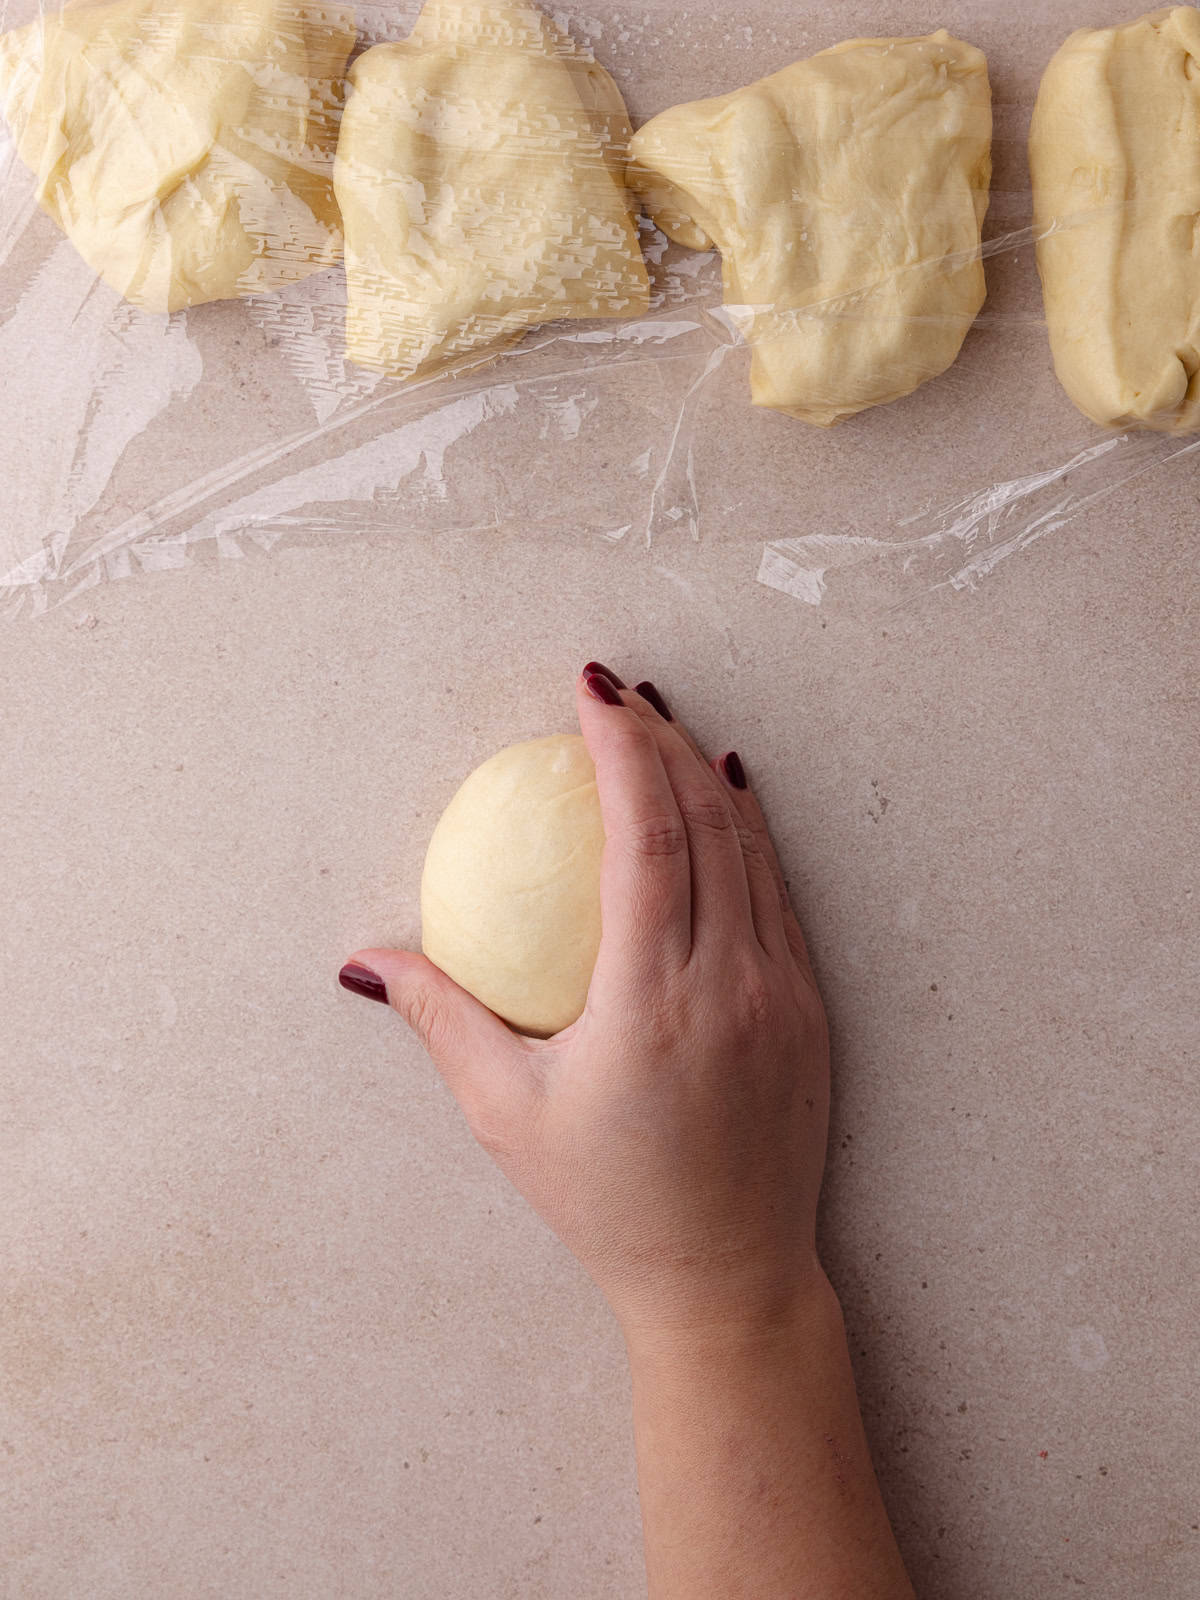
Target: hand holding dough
{"points": [[1115, 155], [510, 897], [481, 176], [185, 149], [846, 195]]}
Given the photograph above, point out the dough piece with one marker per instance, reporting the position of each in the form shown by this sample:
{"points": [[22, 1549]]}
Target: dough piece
{"points": [[1115, 155], [184, 149], [846, 195], [481, 175], [510, 899]]}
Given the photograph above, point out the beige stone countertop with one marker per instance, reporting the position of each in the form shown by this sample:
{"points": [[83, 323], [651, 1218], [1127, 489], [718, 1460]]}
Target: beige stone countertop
{"points": [[273, 1328]]}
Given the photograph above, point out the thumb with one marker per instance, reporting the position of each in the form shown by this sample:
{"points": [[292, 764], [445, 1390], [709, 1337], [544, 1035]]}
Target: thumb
{"points": [[473, 1050]]}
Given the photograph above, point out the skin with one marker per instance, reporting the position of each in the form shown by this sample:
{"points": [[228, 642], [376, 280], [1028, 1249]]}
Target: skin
{"points": [[674, 1139]]}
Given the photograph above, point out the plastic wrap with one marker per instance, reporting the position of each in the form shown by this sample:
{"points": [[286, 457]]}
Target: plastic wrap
{"points": [[135, 436], [959, 546]]}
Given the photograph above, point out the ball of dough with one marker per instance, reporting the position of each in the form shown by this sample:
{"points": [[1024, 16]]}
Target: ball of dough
{"points": [[510, 898]]}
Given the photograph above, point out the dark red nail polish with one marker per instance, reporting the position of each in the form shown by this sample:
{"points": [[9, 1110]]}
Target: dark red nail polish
{"points": [[602, 689], [361, 980], [650, 693], [605, 672], [735, 772]]}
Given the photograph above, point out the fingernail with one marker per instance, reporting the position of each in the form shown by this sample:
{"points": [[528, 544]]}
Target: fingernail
{"points": [[601, 688], [650, 693], [605, 672], [735, 772], [361, 980]]}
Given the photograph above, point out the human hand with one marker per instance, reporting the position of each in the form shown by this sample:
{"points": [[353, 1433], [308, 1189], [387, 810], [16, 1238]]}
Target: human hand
{"points": [[674, 1136]]}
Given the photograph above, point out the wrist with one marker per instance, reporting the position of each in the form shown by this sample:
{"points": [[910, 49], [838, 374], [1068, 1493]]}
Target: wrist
{"points": [[804, 1311]]}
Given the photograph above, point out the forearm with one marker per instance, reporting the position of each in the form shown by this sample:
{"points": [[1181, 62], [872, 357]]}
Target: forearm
{"points": [[756, 1481]]}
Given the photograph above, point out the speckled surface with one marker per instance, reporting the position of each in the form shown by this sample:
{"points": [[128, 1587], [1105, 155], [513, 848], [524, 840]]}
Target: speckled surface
{"points": [[273, 1327]]}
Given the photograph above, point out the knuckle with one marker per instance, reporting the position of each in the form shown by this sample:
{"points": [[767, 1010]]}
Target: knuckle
{"points": [[426, 1017], [633, 738], [661, 835], [750, 842], [708, 812], [755, 1007]]}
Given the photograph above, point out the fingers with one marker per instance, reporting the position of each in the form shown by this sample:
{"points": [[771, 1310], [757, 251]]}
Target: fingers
{"points": [[729, 888], [717, 843], [720, 899], [761, 898], [645, 890], [484, 1065], [768, 882]]}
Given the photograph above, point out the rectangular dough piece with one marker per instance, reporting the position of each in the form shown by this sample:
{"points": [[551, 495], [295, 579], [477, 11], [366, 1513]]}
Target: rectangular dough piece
{"points": [[481, 176], [186, 150], [1115, 155], [846, 195]]}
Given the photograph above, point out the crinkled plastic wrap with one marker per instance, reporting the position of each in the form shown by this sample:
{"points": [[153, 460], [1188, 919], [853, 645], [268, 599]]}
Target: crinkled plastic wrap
{"points": [[194, 356]]}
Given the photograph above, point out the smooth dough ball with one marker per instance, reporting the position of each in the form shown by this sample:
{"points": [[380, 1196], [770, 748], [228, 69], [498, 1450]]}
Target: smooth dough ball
{"points": [[481, 176], [186, 150], [1115, 155], [846, 195], [510, 898]]}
